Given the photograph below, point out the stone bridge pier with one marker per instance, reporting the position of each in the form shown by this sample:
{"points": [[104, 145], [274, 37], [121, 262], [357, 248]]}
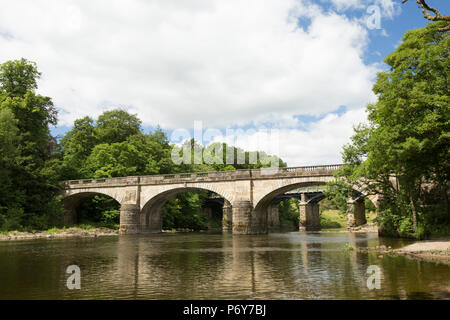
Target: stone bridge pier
{"points": [[248, 197], [129, 218], [356, 212], [309, 214], [227, 219]]}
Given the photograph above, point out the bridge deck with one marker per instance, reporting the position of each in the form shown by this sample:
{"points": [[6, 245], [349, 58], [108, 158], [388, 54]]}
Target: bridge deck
{"points": [[242, 174]]}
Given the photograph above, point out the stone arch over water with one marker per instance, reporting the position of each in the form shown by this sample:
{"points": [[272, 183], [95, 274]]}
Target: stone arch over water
{"points": [[151, 212]]}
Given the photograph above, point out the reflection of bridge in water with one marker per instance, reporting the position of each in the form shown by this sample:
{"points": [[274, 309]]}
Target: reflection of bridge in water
{"points": [[250, 197]]}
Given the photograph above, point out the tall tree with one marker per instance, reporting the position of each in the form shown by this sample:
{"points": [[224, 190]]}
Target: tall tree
{"points": [[33, 113], [8, 150], [404, 151], [77, 145], [116, 126]]}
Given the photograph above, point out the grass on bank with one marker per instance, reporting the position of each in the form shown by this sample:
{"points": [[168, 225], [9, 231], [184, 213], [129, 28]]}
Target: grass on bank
{"points": [[335, 219]]}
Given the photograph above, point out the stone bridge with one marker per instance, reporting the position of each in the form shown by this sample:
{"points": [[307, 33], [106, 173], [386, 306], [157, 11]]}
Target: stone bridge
{"points": [[250, 205]]}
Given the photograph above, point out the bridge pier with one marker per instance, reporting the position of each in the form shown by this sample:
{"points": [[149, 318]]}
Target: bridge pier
{"points": [[248, 221], [273, 217], [129, 219], [242, 213], [356, 213], [70, 214], [227, 219], [309, 215]]}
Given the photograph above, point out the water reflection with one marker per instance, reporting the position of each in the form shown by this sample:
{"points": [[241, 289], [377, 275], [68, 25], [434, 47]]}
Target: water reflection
{"points": [[215, 266]]}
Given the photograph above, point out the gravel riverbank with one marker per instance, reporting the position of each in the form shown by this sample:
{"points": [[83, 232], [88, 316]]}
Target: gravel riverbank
{"points": [[427, 250], [59, 233]]}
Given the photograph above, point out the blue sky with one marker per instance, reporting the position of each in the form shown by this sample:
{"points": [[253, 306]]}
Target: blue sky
{"points": [[303, 69]]}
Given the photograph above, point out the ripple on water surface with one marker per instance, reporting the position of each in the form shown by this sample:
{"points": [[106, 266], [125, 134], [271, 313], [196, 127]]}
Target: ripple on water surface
{"points": [[288, 265]]}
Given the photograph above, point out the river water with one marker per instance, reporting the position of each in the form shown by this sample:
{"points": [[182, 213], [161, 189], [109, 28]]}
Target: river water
{"points": [[287, 265]]}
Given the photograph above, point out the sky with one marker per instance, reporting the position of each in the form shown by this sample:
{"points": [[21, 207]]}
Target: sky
{"points": [[289, 77]]}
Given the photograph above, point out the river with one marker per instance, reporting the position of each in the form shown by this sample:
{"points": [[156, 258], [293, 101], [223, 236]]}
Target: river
{"points": [[285, 265]]}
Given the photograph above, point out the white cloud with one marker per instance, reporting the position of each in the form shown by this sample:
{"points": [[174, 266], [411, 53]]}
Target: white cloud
{"points": [[389, 8], [320, 143], [341, 5], [172, 62]]}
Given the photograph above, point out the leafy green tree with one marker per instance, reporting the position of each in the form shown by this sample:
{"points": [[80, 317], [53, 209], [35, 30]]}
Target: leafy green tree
{"points": [[433, 14], [8, 150], [78, 144], [403, 152], [184, 211], [116, 126], [34, 195], [288, 210], [18, 76], [119, 160]]}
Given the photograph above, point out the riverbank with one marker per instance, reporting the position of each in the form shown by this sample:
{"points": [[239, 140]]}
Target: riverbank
{"points": [[437, 251], [59, 233], [367, 228], [426, 250]]}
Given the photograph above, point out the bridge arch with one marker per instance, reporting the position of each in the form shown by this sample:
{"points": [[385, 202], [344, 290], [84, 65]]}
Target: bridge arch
{"points": [[72, 201], [266, 199], [264, 205], [153, 203]]}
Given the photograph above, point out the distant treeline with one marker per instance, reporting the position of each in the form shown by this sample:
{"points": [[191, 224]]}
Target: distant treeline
{"points": [[33, 163]]}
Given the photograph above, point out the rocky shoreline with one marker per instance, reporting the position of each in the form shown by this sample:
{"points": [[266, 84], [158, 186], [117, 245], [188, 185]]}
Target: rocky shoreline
{"points": [[428, 250], [59, 233]]}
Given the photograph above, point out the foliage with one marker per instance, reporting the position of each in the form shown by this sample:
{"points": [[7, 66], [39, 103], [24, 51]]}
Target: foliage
{"points": [[32, 163], [28, 194], [184, 211], [116, 126], [403, 152], [100, 210], [288, 212], [77, 145]]}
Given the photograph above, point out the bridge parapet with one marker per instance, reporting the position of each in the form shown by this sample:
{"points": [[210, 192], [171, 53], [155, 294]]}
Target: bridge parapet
{"points": [[86, 183], [268, 173], [243, 174]]}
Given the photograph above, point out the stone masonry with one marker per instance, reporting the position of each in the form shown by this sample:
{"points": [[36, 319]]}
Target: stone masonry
{"points": [[248, 196]]}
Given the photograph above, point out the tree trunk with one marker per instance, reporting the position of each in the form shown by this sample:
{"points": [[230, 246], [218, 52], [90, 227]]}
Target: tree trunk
{"points": [[414, 215]]}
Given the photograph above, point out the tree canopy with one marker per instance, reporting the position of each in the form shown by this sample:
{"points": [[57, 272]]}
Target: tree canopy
{"points": [[29, 194], [403, 152]]}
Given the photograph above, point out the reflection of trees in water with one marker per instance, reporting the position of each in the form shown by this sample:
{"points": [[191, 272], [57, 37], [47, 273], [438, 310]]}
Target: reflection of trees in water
{"points": [[36, 269], [227, 266], [184, 268], [413, 279], [221, 266]]}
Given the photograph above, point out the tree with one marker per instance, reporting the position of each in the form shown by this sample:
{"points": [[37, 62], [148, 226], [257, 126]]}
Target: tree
{"points": [[403, 153], [119, 160], [433, 14], [18, 76], [116, 126], [115, 146], [77, 145], [8, 150], [34, 194]]}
